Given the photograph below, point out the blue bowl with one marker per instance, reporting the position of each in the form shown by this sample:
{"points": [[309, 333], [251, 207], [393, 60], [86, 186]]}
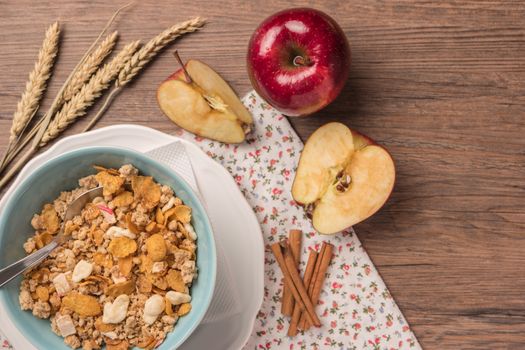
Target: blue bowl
{"points": [[62, 173]]}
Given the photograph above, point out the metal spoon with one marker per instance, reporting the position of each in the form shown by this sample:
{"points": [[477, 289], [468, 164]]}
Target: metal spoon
{"points": [[74, 209]]}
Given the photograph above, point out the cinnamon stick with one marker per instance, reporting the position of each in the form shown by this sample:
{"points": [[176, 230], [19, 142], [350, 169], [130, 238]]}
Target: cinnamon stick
{"points": [[302, 321], [294, 239], [285, 260], [318, 281], [308, 273], [299, 285]]}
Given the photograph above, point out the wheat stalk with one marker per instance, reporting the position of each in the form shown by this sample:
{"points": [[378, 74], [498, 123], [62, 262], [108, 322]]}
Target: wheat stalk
{"points": [[46, 119], [143, 57], [77, 79], [90, 65], [36, 85], [76, 107]]}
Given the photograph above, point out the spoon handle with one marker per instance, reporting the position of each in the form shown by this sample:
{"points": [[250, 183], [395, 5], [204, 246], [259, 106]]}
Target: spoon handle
{"points": [[15, 269]]}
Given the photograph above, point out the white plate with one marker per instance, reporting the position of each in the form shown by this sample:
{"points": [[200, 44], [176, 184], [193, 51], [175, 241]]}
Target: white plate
{"points": [[233, 221]]}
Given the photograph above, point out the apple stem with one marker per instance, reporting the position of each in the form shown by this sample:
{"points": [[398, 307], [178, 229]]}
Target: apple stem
{"points": [[300, 61], [186, 74]]}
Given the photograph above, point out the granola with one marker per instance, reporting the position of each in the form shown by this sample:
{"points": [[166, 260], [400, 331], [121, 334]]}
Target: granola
{"points": [[124, 277]]}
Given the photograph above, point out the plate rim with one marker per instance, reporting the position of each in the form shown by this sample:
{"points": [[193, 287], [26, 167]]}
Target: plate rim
{"points": [[7, 325]]}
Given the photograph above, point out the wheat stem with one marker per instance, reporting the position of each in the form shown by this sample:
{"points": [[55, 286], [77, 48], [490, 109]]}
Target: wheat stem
{"points": [[102, 110], [21, 143]]}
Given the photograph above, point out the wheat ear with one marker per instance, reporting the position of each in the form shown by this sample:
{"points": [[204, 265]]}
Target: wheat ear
{"points": [[36, 85], [46, 119], [76, 107], [90, 65], [152, 48], [143, 57]]}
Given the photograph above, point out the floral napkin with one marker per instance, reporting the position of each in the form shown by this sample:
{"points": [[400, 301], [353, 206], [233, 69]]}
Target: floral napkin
{"points": [[355, 307]]}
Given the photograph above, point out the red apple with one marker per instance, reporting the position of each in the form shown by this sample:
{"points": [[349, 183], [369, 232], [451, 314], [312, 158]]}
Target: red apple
{"points": [[298, 60]]}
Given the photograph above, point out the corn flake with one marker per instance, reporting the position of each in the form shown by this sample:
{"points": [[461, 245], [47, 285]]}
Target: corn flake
{"points": [[111, 183], [70, 227], [51, 221], [103, 260], [156, 247], [42, 293], [120, 345], [159, 216], [125, 265], [146, 191], [104, 327], [43, 239], [122, 246], [39, 274], [110, 171], [144, 285], [184, 309], [183, 213], [174, 279], [124, 199], [84, 305], [168, 307], [117, 289], [98, 235], [158, 281], [152, 227], [145, 342], [131, 225], [167, 216], [145, 263]]}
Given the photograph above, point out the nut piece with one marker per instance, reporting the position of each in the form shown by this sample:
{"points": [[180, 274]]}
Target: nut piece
{"points": [[153, 308], [65, 325], [191, 232], [82, 270], [116, 312], [115, 231], [177, 298]]}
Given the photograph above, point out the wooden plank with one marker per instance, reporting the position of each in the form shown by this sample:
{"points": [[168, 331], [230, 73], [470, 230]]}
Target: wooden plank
{"points": [[440, 83]]}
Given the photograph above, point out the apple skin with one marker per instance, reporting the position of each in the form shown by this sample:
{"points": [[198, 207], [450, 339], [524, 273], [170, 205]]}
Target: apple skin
{"points": [[304, 86]]}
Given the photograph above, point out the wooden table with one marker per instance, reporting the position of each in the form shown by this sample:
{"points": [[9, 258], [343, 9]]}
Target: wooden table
{"points": [[440, 83]]}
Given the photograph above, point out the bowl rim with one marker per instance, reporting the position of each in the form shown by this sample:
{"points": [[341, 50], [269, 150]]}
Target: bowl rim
{"points": [[10, 203]]}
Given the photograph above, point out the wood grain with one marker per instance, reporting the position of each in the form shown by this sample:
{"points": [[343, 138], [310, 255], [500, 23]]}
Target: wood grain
{"points": [[440, 83]]}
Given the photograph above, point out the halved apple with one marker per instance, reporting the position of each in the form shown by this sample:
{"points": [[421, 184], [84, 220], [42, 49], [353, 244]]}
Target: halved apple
{"points": [[197, 99], [342, 178]]}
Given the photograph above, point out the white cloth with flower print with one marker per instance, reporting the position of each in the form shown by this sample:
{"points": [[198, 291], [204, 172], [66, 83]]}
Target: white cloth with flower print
{"points": [[355, 307]]}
